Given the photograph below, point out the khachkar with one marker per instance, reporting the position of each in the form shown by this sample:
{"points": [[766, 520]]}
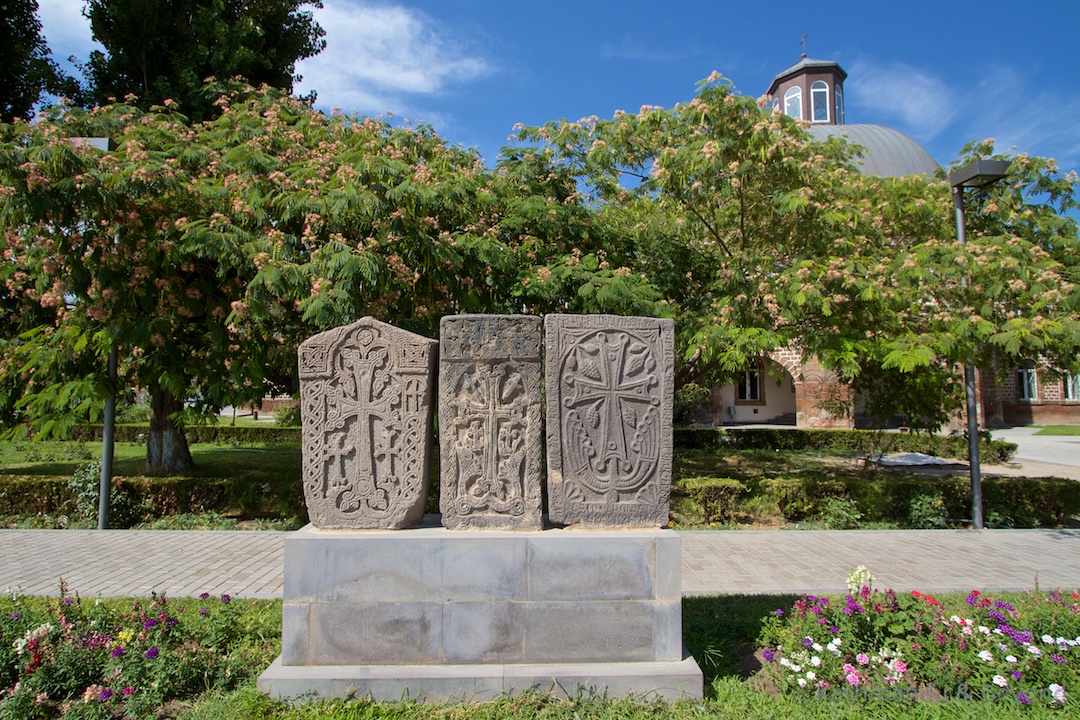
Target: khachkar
{"points": [[366, 398], [610, 389], [489, 422]]}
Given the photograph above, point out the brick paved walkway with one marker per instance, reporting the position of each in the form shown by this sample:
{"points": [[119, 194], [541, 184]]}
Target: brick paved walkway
{"points": [[249, 564]]}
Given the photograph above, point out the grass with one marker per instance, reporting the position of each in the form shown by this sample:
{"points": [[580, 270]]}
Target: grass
{"points": [[1060, 430]]}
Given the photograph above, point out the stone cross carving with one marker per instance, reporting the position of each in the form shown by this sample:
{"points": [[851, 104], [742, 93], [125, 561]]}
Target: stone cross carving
{"points": [[610, 392], [489, 422], [366, 403]]}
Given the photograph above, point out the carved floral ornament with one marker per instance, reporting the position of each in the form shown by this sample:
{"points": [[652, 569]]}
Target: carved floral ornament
{"points": [[367, 405]]}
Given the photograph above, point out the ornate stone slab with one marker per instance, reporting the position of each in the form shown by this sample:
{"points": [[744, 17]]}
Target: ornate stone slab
{"points": [[610, 391], [490, 421], [366, 399]]}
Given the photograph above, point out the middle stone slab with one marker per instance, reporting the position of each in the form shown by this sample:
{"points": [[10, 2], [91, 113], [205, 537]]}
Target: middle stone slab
{"points": [[490, 425]]}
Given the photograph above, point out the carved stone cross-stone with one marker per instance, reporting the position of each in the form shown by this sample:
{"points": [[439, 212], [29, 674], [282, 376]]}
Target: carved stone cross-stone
{"points": [[610, 392], [366, 408], [489, 422]]}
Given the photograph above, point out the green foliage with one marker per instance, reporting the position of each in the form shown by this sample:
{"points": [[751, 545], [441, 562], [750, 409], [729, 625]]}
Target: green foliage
{"points": [[839, 513], [928, 512], [948, 446], [711, 499], [163, 50], [287, 415], [85, 489], [687, 399]]}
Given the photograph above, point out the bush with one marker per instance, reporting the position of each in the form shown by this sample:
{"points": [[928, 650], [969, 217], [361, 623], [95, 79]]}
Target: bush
{"points": [[85, 488], [850, 441], [712, 499], [221, 434], [927, 511], [839, 513], [689, 398], [287, 415]]}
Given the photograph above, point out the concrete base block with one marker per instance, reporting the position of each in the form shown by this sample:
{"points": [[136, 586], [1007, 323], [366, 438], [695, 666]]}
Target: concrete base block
{"points": [[669, 681], [481, 613]]}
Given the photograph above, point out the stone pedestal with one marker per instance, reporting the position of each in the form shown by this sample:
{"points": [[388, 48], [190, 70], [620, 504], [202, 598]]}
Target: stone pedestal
{"points": [[436, 614]]}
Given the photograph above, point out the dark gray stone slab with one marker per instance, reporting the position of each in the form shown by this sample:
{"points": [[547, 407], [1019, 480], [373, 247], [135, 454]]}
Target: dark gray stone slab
{"points": [[490, 422], [610, 392], [366, 405]]}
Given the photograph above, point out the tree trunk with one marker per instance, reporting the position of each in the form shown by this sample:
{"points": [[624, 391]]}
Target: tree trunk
{"points": [[166, 448]]}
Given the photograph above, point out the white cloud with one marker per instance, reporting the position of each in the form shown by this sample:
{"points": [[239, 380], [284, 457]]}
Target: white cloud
{"points": [[920, 103], [377, 57], [65, 28]]}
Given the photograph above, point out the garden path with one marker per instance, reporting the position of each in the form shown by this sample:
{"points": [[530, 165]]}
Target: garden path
{"points": [[249, 563]]}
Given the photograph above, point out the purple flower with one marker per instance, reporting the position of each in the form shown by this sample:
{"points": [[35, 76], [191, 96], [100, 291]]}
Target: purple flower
{"points": [[202, 612], [834, 630], [1059, 659], [67, 601], [807, 643], [151, 653], [1024, 699], [105, 695], [778, 612], [149, 624], [225, 598], [16, 615], [822, 622], [204, 596], [117, 652], [1017, 674], [769, 655], [171, 622]]}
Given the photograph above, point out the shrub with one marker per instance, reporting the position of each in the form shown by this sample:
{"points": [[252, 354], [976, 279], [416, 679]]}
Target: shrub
{"points": [[85, 488], [712, 499], [927, 511], [839, 513], [687, 399], [287, 415]]}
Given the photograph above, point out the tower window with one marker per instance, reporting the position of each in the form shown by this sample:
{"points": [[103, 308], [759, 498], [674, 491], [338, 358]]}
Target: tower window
{"points": [[793, 103], [819, 101], [838, 99]]}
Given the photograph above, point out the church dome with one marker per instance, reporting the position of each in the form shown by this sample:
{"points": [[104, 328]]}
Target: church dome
{"points": [[887, 152]]}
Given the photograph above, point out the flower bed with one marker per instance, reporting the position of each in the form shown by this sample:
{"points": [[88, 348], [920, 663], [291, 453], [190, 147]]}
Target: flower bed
{"points": [[79, 658], [1021, 648]]}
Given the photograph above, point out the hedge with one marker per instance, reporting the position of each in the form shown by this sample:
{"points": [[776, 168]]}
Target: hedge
{"points": [[949, 446], [223, 434]]}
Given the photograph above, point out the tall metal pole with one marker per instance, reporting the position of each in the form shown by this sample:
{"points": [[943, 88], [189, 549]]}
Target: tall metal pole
{"points": [[969, 389], [105, 488]]}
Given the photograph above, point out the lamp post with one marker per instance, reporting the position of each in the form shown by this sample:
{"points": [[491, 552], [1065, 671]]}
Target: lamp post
{"points": [[973, 175]]}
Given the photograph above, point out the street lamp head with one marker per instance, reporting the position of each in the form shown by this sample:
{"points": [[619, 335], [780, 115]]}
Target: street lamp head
{"points": [[978, 174]]}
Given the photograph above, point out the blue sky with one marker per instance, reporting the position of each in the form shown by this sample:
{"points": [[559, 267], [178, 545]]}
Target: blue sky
{"points": [[942, 71]]}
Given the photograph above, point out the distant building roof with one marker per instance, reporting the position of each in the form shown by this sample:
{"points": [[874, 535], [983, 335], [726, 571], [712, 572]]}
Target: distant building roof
{"points": [[888, 152], [804, 65]]}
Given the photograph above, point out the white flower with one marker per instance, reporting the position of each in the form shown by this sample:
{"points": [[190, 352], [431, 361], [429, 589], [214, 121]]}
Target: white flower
{"points": [[1010, 658], [802, 682], [1048, 639], [785, 662], [815, 661], [796, 668], [817, 647], [984, 630], [986, 656], [1000, 681], [1034, 650], [1058, 692], [811, 676]]}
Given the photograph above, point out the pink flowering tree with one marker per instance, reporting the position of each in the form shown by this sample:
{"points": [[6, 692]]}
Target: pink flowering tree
{"points": [[729, 218], [206, 252]]}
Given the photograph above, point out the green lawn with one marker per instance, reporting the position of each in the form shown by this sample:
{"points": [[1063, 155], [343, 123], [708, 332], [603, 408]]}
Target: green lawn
{"points": [[1060, 430]]}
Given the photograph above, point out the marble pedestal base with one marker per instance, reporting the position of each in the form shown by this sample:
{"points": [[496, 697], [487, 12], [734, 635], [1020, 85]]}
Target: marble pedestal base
{"points": [[434, 614]]}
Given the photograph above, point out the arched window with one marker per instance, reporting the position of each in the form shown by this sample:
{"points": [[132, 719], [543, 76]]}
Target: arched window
{"points": [[793, 103], [838, 98], [819, 102]]}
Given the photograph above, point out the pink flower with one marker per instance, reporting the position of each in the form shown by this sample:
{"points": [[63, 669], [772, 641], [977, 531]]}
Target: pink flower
{"points": [[862, 659], [900, 667], [854, 679]]}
